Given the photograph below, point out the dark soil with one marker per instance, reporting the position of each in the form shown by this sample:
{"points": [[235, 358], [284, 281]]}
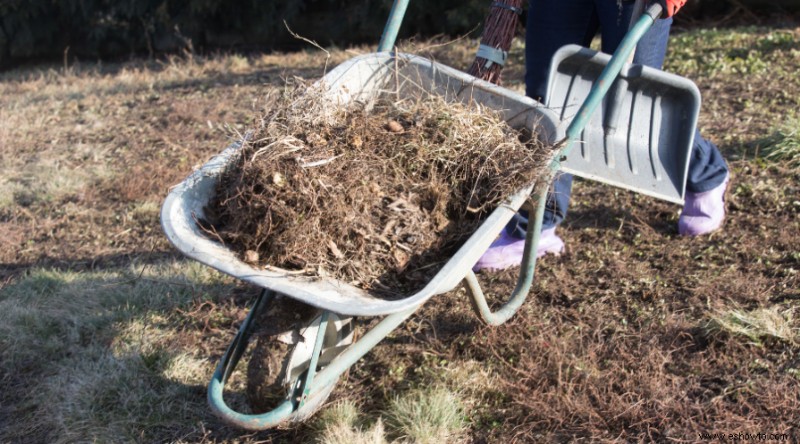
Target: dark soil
{"points": [[618, 341]]}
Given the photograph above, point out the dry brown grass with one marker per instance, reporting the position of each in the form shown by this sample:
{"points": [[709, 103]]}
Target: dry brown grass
{"points": [[106, 336], [378, 194]]}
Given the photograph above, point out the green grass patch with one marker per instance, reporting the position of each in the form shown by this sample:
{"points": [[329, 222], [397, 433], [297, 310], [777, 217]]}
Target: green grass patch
{"points": [[739, 51], [783, 145]]}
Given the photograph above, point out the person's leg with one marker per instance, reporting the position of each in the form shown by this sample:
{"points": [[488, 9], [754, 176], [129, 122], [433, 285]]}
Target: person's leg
{"points": [[704, 206], [551, 24], [708, 173], [555, 210], [707, 168], [614, 19]]}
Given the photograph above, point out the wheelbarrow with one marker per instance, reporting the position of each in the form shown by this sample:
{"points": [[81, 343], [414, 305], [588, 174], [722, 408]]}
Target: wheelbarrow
{"points": [[640, 141]]}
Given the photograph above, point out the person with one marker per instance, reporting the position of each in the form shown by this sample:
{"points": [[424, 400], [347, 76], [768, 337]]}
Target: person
{"points": [[552, 24]]}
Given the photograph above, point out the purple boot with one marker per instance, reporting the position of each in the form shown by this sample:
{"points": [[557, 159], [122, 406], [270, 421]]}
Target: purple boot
{"points": [[703, 212], [506, 251]]}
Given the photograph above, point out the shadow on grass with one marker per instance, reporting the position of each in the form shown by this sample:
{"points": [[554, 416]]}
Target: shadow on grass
{"points": [[117, 354], [14, 270], [207, 81]]}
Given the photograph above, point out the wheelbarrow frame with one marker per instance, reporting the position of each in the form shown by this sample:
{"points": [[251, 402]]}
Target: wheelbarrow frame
{"points": [[314, 380]]}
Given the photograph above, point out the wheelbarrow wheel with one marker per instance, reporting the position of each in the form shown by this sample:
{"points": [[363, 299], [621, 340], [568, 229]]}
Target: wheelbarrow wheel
{"points": [[283, 345]]}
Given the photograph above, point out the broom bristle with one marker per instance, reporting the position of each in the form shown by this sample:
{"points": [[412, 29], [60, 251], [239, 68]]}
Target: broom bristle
{"points": [[498, 31]]}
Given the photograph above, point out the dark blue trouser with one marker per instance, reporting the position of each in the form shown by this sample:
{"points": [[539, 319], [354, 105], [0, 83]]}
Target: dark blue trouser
{"points": [[555, 23]]}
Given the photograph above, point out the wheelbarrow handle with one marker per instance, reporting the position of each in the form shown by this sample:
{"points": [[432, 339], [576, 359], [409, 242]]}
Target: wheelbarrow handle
{"points": [[527, 268], [393, 25]]}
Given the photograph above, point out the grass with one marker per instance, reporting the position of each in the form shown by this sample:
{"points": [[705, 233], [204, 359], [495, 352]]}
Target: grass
{"points": [[48, 179], [746, 76], [783, 146], [426, 415], [339, 424], [101, 351], [721, 52], [759, 325], [106, 335]]}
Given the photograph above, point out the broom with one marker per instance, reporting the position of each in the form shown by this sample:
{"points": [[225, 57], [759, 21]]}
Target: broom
{"points": [[498, 31]]}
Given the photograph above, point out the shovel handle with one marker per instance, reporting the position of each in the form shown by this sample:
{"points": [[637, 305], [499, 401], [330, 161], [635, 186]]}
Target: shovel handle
{"points": [[638, 10]]}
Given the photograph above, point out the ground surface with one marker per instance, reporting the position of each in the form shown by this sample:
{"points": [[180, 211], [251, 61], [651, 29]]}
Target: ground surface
{"points": [[107, 334]]}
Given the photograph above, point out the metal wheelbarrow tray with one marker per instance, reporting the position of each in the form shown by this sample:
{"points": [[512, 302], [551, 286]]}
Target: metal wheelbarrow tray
{"points": [[360, 79]]}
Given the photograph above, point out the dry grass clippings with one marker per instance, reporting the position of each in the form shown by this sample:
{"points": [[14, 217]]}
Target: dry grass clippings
{"points": [[758, 326], [377, 194]]}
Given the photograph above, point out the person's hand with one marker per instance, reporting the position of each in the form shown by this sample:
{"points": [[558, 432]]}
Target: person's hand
{"points": [[671, 7]]}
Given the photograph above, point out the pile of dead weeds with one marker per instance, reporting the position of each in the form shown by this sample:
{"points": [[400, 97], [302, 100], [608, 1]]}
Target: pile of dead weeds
{"points": [[376, 194]]}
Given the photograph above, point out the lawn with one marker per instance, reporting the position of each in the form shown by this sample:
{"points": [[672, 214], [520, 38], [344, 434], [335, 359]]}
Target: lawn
{"points": [[635, 334]]}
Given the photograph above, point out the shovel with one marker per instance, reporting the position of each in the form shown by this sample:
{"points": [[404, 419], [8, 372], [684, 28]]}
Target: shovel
{"points": [[642, 138], [640, 141]]}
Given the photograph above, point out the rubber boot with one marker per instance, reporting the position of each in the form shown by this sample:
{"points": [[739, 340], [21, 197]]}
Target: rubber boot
{"points": [[703, 212], [506, 251]]}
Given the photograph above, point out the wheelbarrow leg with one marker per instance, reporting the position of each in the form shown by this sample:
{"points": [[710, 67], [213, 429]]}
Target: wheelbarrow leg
{"points": [[312, 367], [358, 349], [239, 344], [225, 369], [524, 281], [297, 399], [307, 390]]}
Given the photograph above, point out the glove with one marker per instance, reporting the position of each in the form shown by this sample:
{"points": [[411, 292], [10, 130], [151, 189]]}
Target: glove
{"points": [[671, 7]]}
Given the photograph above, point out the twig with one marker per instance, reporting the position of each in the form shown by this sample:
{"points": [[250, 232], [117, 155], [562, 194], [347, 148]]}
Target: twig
{"points": [[449, 42], [66, 60], [319, 162], [307, 40], [210, 230], [396, 76]]}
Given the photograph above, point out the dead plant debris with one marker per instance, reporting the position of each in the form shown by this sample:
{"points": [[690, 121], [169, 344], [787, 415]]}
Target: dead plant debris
{"points": [[377, 194]]}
